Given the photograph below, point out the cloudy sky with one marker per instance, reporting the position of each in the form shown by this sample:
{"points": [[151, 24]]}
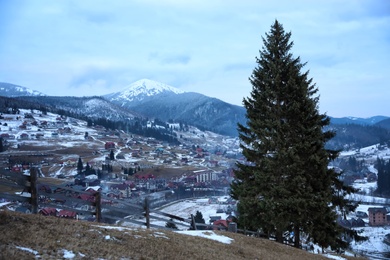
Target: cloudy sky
{"points": [[92, 47]]}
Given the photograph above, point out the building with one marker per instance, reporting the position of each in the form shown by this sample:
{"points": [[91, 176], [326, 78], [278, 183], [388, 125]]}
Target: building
{"points": [[377, 216]]}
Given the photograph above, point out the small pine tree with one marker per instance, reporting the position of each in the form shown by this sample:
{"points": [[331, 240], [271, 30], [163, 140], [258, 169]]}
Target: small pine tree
{"points": [[170, 224], [199, 220], [112, 156], [80, 165]]}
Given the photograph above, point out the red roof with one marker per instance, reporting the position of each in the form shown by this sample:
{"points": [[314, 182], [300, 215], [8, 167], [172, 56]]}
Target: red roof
{"points": [[221, 222], [86, 197], [67, 214], [48, 211]]}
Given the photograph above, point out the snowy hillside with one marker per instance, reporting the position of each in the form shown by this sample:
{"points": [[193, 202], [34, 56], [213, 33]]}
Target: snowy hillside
{"points": [[369, 153], [11, 90]]}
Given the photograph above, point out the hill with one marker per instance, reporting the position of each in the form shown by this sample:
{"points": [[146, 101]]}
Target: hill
{"points": [[11, 90], [26, 236], [384, 123]]}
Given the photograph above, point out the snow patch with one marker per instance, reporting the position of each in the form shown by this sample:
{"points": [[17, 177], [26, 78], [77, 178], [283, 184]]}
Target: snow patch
{"points": [[207, 234]]}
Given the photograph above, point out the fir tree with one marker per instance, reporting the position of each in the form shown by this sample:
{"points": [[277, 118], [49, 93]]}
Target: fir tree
{"points": [[87, 167], [80, 165], [286, 184], [1, 145]]}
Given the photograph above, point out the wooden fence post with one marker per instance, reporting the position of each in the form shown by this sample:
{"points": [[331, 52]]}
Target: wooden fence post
{"points": [[33, 190], [98, 207], [147, 212]]}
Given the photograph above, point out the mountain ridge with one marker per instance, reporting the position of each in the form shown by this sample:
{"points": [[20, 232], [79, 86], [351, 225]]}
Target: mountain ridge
{"points": [[12, 90], [152, 99]]}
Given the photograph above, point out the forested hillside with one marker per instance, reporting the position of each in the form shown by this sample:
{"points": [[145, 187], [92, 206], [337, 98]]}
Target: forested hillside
{"points": [[351, 136]]}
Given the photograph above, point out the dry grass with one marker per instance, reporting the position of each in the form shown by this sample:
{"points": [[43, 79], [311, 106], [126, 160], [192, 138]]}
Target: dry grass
{"points": [[50, 236]]}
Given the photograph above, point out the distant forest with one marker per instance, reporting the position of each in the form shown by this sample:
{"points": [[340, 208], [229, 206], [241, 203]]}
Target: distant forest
{"points": [[353, 136]]}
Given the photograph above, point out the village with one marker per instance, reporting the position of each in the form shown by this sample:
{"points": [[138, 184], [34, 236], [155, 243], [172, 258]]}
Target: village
{"points": [[127, 168], [120, 165]]}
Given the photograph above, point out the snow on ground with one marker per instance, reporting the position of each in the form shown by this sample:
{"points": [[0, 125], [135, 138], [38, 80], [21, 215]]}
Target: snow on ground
{"points": [[2, 204], [365, 187], [374, 244], [29, 250], [370, 152], [207, 234]]}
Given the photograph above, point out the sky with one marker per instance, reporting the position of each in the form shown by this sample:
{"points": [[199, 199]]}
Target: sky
{"points": [[96, 47]]}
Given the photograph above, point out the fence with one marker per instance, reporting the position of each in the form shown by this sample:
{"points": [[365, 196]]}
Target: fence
{"points": [[87, 205]]}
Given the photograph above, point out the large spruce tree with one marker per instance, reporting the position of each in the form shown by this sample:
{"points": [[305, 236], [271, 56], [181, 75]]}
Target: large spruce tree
{"points": [[286, 184]]}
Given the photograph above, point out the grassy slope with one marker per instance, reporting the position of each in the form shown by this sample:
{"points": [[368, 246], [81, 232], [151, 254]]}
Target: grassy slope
{"points": [[49, 236]]}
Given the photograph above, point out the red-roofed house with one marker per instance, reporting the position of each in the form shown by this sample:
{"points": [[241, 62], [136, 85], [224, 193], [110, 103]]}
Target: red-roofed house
{"points": [[109, 145], [221, 224], [67, 214], [48, 212]]}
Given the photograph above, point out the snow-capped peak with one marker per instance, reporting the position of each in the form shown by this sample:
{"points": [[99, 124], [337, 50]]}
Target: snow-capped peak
{"points": [[144, 87]]}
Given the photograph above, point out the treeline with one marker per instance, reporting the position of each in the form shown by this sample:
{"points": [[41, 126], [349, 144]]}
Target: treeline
{"points": [[353, 136], [383, 183], [137, 126]]}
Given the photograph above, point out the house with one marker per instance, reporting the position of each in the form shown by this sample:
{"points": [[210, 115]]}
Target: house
{"points": [[221, 224], [48, 211], [117, 194], [86, 197], [377, 216], [67, 214], [44, 188], [361, 214], [212, 163], [5, 136], [39, 135], [214, 218], [109, 145], [24, 136]]}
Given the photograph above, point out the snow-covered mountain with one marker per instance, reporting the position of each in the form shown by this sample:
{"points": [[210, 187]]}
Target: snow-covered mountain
{"points": [[140, 90], [11, 90], [158, 100]]}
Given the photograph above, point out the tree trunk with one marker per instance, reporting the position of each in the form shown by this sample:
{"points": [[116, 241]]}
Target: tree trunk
{"points": [[279, 236], [297, 237]]}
